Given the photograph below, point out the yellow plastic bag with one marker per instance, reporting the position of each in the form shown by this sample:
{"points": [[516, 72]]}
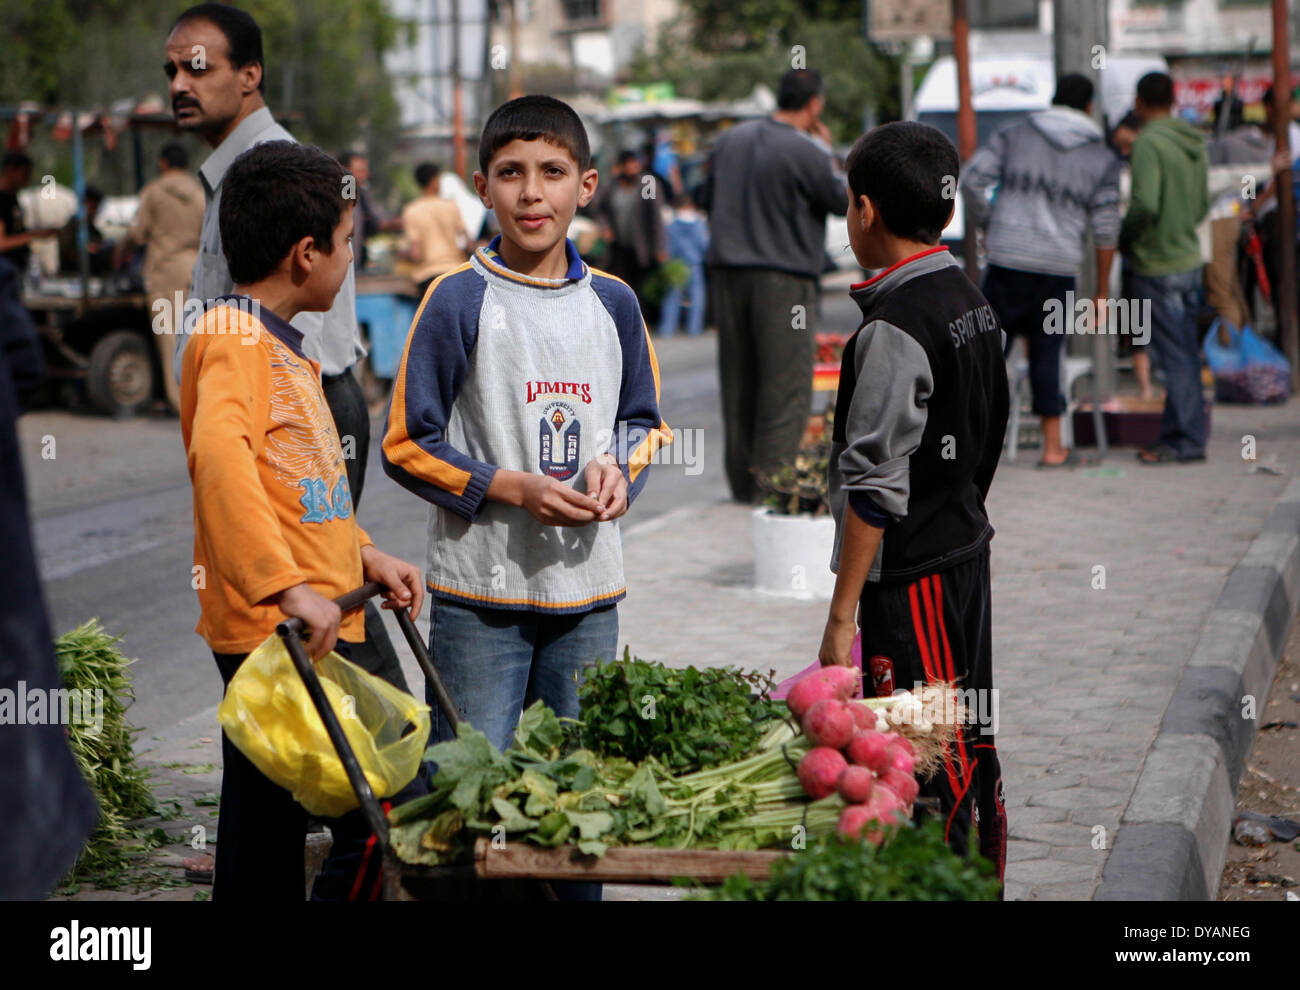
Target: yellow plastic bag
{"points": [[269, 716]]}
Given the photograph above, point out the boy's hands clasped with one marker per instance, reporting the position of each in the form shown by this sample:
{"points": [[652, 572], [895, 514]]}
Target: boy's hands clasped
{"points": [[554, 503]]}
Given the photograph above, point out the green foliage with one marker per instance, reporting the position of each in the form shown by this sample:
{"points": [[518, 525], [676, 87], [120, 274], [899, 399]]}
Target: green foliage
{"points": [[89, 661], [324, 65], [799, 487], [686, 719], [718, 50], [914, 864], [672, 274]]}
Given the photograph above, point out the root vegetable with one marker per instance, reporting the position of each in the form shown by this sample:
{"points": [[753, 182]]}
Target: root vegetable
{"points": [[807, 693], [863, 717], [855, 823], [855, 784], [904, 784], [871, 750], [819, 769], [829, 723], [900, 761], [847, 681]]}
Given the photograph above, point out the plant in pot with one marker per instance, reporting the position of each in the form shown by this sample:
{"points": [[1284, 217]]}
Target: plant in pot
{"points": [[794, 533]]}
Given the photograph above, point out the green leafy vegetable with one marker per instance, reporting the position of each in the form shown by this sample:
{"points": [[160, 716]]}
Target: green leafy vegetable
{"points": [[915, 864], [685, 719]]}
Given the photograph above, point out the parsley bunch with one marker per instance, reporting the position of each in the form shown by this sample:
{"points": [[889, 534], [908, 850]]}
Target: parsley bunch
{"points": [[686, 719]]}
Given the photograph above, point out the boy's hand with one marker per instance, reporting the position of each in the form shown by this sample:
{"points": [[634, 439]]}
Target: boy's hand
{"points": [[607, 485], [318, 613], [837, 642], [556, 504], [405, 588]]}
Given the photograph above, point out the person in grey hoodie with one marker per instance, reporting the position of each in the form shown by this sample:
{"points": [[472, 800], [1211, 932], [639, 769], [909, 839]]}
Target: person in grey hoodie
{"points": [[1035, 189]]}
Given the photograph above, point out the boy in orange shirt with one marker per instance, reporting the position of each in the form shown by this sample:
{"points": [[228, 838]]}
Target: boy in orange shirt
{"points": [[274, 534]]}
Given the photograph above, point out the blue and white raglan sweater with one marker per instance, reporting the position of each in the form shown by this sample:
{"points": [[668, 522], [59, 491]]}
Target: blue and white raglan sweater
{"points": [[503, 370]]}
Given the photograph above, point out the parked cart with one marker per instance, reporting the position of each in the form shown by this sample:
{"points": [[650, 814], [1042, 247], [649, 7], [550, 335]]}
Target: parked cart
{"points": [[513, 870]]}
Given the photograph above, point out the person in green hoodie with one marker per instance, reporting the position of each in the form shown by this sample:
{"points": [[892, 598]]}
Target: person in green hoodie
{"points": [[1169, 198]]}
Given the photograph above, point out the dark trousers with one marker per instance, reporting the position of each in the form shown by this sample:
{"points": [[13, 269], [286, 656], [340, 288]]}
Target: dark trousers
{"points": [[261, 832], [1020, 300], [938, 628], [622, 262], [347, 404], [766, 323], [1175, 301]]}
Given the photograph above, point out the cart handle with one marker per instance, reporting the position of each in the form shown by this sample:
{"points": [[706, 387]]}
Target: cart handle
{"points": [[291, 631]]}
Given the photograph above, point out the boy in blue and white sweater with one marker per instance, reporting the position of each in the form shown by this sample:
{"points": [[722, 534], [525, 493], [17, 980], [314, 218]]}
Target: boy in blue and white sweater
{"points": [[526, 410]]}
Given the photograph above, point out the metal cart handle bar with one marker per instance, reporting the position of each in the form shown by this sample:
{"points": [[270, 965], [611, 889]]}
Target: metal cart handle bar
{"points": [[291, 632]]}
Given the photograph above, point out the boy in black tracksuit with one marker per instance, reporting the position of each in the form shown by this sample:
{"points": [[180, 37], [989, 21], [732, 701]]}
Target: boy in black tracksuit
{"points": [[919, 421]]}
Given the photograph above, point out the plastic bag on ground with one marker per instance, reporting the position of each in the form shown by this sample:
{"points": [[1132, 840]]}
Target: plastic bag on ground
{"points": [[1249, 369], [269, 716]]}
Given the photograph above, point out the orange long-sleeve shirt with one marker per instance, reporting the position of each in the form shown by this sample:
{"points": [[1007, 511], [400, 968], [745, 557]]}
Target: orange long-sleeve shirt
{"points": [[272, 507]]}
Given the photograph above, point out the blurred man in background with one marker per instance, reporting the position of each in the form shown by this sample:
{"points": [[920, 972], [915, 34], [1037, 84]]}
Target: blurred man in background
{"points": [[15, 240], [436, 239], [168, 223]]}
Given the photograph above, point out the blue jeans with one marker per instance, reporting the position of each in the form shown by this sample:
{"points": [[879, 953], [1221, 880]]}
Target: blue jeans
{"points": [[1175, 300], [670, 311], [497, 662]]}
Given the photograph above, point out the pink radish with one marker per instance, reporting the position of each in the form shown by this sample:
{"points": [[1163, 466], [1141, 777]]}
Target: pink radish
{"points": [[847, 681], [901, 761], [807, 693], [829, 723], [854, 784], [819, 769], [903, 783], [855, 821], [885, 804], [871, 750], [863, 717], [903, 743]]}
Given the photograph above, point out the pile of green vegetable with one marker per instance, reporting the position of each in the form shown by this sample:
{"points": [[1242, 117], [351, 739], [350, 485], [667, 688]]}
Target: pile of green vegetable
{"points": [[545, 794], [915, 863], [89, 661], [685, 719]]}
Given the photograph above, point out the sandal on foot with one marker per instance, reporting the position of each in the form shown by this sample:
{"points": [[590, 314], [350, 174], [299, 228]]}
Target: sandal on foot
{"points": [[1159, 454]]}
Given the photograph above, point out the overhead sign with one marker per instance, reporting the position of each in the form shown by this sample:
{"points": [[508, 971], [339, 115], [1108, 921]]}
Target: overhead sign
{"points": [[903, 20]]}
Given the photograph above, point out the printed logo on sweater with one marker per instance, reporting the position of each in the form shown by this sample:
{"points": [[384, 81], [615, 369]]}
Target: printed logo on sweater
{"points": [[559, 434]]}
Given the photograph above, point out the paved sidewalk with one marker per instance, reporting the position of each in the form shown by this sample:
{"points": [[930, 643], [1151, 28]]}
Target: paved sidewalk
{"points": [[1084, 674]]}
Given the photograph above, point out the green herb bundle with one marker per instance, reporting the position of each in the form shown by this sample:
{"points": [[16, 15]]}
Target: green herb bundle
{"points": [[685, 719], [89, 661], [915, 864]]}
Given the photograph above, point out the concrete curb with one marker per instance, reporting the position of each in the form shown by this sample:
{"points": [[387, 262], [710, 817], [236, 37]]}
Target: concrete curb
{"points": [[1172, 839]]}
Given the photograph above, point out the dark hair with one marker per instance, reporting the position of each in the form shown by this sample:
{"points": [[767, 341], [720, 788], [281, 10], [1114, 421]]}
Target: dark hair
{"points": [[243, 36], [346, 158], [93, 193], [1156, 90], [15, 159], [426, 172], [628, 155], [174, 155], [1130, 120], [273, 195], [529, 118], [797, 88], [1073, 89], [905, 168]]}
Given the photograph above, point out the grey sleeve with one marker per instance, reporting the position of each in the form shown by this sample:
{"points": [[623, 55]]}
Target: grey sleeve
{"points": [[980, 180], [1103, 208], [887, 415]]}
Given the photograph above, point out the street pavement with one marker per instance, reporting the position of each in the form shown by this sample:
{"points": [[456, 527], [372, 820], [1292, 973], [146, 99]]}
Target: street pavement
{"points": [[1102, 579]]}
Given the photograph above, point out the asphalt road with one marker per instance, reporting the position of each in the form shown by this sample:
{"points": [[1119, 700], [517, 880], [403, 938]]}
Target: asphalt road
{"points": [[113, 521]]}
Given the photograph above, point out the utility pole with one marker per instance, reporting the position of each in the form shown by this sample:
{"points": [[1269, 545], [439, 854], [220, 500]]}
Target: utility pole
{"points": [[1081, 32], [1286, 296], [965, 121], [457, 95]]}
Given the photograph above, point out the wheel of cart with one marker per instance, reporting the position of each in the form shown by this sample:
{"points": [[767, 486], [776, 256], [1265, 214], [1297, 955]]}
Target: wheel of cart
{"points": [[517, 870]]}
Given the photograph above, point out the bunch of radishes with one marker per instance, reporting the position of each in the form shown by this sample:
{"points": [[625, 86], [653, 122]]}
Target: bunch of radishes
{"points": [[871, 769]]}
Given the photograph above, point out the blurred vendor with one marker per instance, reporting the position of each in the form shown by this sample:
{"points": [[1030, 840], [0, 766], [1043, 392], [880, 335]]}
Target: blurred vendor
{"points": [[15, 240], [99, 250]]}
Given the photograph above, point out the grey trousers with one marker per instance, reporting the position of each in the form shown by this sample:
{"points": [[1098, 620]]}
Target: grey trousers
{"points": [[766, 321]]}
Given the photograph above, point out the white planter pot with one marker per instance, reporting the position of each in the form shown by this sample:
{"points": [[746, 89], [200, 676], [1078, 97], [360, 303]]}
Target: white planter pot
{"points": [[792, 555]]}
